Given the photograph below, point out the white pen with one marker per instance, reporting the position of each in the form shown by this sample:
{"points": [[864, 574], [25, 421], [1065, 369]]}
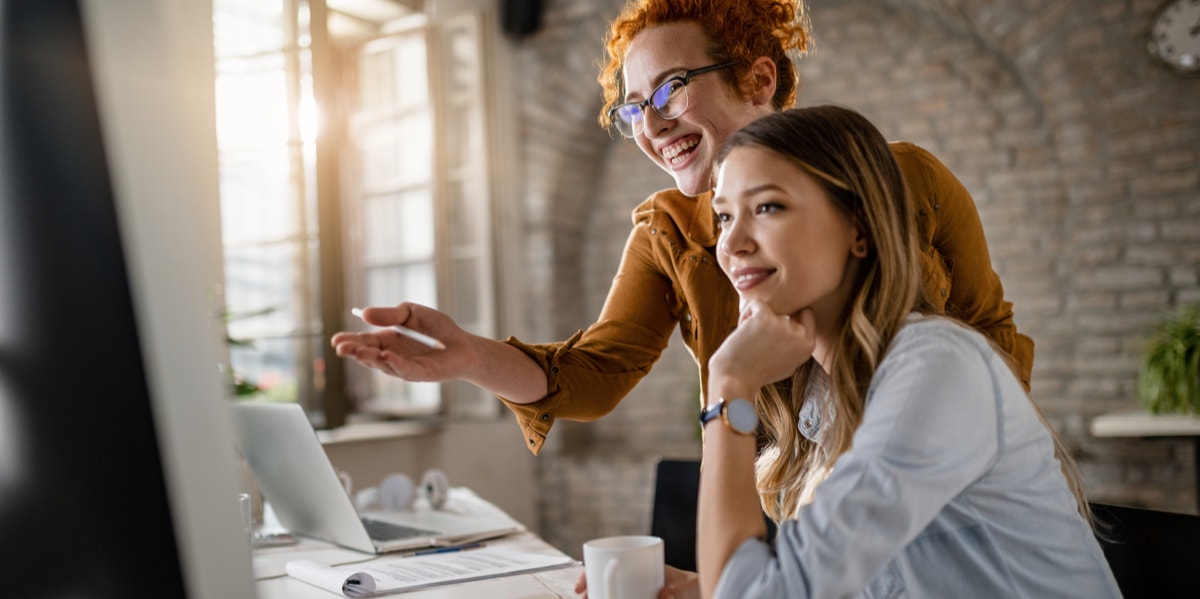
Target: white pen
{"points": [[407, 332]]}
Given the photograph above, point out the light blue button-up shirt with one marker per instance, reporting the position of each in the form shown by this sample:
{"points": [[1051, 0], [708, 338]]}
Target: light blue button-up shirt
{"points": [[951, 489]]}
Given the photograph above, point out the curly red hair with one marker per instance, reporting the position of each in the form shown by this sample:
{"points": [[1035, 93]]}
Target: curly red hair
{"points": [[740, 30]]}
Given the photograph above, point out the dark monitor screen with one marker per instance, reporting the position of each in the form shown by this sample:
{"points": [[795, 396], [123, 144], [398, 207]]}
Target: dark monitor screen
{"points": [[86, 505]]}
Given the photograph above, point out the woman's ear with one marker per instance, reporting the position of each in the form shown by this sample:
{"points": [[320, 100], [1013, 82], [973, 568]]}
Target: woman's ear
{"points": [[763, 76], [860, 247]]}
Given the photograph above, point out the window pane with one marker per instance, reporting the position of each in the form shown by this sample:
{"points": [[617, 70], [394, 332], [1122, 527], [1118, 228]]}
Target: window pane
{"points": [[251, 102], [258, 278], [394, 74], [242, 27], [397, 152], [256, 200], [410, 76], [375, 90], [274, 365], [388, 286], [399, 227]]}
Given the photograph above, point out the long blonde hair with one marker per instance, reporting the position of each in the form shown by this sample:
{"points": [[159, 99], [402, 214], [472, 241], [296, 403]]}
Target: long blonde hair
{"points": [[854, 163]]}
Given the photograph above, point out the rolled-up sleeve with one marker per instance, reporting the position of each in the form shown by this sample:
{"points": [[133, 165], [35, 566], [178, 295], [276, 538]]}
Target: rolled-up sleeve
{"points": [[590, 373]]}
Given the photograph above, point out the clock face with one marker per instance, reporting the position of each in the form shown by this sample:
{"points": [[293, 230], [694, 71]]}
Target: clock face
{"points": [[1175, 35]]}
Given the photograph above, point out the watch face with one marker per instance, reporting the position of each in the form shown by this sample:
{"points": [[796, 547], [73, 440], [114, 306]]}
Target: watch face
{"points": [[1175, 35], [742, 416]]}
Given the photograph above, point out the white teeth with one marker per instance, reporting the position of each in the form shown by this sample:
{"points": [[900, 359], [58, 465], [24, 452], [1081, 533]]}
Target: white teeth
{"points": [[672, 152]]}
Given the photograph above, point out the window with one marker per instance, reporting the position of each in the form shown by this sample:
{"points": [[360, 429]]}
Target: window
{"points": [[354, 170]]}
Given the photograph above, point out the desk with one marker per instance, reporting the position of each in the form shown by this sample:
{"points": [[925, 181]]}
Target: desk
{"points": [[273, 583], [1140, 423]]}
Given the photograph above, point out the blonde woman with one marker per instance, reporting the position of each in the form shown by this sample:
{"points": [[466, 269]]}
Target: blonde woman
{"points": [[902, 456]]}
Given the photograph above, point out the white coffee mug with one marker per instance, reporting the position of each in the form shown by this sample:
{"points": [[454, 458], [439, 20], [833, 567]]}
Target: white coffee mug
{"points": [[623, 567]]}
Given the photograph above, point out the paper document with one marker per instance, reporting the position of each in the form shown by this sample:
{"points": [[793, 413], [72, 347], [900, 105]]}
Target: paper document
{"points": [[398, 574]]}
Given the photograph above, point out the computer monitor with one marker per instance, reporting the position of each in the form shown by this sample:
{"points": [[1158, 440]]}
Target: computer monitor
{"points": [[118, 477]]}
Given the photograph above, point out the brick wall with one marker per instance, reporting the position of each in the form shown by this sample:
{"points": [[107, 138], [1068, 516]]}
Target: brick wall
{"points": [[1083, 157]]}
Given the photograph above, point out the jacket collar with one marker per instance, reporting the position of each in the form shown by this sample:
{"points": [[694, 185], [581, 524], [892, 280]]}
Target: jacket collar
{"points": [[703, 229]]}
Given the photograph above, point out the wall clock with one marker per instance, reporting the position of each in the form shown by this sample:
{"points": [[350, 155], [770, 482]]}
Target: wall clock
{"points": [[1175, 35]]}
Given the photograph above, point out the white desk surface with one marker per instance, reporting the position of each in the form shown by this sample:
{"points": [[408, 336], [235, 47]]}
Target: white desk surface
{"points": [[1140, 423], [558, 583]]}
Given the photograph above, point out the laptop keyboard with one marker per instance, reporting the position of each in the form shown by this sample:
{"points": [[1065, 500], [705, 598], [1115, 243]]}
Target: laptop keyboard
{"points": [[387, 531]]}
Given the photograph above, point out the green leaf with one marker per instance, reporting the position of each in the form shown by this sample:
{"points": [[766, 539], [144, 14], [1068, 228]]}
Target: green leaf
{"points": [[1169, 374]]}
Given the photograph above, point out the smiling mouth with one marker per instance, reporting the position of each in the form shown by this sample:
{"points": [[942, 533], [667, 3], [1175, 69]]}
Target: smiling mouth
{"points": [[746, 281], [678, 153]]}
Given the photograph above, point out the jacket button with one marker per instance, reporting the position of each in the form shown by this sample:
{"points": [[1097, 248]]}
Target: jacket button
{"points": [[554, 369], [943, 292], [531, 441], [545, 416]]}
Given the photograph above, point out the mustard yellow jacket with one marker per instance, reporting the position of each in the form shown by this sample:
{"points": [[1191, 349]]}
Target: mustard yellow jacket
{"points": [[669, 276]]}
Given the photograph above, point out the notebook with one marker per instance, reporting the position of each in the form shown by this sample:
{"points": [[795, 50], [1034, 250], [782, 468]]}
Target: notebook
{"points": [[296, 478]]}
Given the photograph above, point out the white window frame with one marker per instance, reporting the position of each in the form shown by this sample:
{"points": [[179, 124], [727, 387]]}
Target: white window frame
{"points": [[474, 249]]}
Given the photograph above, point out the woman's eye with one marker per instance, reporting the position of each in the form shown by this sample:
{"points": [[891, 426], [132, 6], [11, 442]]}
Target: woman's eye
{"points": [[767, 208], [723, 218]]}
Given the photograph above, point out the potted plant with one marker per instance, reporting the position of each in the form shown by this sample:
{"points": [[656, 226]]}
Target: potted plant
{"points": [[1169, 375]]}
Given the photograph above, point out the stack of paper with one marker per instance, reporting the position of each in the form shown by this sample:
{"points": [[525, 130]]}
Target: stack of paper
{"points": [[396, 574]]}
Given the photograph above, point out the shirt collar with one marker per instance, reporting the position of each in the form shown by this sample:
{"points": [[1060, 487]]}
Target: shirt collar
{"points": [[704, 225]]}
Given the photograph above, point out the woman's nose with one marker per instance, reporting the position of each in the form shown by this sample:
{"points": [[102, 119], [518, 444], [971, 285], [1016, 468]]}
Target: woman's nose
{"points": [[653, 124], [734, 239]]}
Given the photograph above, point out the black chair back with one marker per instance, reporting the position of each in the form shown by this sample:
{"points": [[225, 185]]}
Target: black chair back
{"points": [[1152, 553], [676, 488]]}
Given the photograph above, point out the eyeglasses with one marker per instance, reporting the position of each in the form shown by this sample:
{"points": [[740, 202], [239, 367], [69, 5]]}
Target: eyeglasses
{"points": [[669, 100]]}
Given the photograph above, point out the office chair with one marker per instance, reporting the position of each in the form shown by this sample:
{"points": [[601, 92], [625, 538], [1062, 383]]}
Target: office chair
{"points": [[676, 489], [1151, 553]]}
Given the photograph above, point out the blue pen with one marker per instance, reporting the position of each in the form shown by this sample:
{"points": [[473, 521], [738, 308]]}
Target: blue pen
{"points": [[452, 549]]}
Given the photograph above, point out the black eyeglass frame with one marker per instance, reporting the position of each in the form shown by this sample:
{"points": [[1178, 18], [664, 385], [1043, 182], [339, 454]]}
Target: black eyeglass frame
{"points": [[685, 78]]}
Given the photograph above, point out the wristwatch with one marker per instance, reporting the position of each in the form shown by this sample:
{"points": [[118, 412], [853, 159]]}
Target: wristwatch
{"points": [[738, 414]]}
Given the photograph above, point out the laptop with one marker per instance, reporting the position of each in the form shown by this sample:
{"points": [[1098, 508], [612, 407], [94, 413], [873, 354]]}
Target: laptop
{"points": [[296, 478]]}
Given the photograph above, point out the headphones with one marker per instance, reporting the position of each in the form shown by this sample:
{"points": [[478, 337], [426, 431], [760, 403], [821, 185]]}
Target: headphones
{"points": [[397, 492]]}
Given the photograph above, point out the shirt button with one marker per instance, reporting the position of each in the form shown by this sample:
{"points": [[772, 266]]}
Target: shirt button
{"points": [[531, 441], [943, 292], [808, 423], [687, 317], [554, 369], [545, 416]]}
